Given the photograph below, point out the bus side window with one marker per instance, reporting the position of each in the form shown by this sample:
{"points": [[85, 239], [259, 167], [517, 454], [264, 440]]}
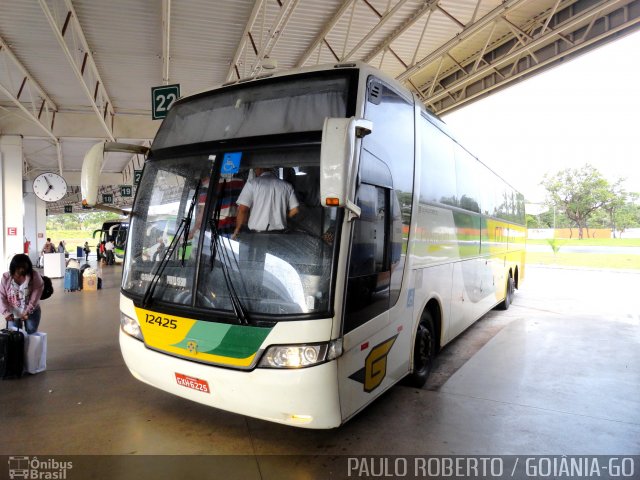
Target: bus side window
{"points": [[369, 270]]}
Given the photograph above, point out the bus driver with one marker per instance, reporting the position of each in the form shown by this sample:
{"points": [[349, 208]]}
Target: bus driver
{"points": [[267, 201]]}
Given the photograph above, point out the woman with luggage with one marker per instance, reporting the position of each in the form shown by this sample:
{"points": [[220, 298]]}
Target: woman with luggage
{"points": [[20, 291]]}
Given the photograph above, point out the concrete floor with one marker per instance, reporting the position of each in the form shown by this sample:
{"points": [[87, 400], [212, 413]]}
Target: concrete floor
{"points": [[558, 373]]}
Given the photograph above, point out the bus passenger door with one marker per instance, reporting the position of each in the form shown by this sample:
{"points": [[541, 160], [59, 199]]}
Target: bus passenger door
{"points": [[367, 339]]}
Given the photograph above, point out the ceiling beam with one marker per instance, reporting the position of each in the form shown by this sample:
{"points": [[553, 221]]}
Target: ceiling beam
{"points": [[458, 88], [32, 118], [466, 32], [233, 66], [385, 18], [4, 49], [417, 15], [450, 17], [82, 125], [276, 30], [166, 39], [40, 110], [98, 99], [320, 39], [553, 11], [547, 36]]}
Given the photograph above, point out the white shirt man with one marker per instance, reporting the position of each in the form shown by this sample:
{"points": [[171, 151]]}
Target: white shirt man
{"points": [[108, 249], [266, 201]]}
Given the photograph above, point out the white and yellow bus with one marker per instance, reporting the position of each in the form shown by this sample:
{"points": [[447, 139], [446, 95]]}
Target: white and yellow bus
{"points": [[402, 241]]}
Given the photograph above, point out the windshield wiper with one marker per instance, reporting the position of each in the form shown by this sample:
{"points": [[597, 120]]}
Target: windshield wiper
{"points": [[183, 230], [187, 221], [218, 247]]}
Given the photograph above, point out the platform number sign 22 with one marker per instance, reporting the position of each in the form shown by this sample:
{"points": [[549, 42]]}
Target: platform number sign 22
{"points": [[162, 98]]}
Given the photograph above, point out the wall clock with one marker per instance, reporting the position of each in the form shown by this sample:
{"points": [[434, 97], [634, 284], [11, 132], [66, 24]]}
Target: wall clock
{"points": [[50, 187]]}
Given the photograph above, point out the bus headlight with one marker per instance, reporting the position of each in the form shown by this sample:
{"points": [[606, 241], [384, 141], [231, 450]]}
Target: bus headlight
{"points": [[299, 356], [130, 326]]}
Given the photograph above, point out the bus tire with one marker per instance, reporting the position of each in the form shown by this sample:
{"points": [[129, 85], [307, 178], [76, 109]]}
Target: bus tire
{"points": [[423, 352], [504, 305]]}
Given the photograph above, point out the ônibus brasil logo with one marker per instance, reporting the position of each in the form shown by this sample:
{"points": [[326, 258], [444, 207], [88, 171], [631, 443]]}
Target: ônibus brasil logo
{"points": [[34, 468]]}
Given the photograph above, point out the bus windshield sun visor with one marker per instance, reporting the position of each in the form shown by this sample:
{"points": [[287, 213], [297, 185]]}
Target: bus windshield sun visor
{"points": [[224, 257], [182, 231]]}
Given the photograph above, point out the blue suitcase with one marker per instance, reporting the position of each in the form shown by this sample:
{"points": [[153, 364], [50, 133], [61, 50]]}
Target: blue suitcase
{"points": [[71, 279]]}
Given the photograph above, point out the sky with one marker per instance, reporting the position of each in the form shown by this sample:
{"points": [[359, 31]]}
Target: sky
{"points": [[585, 110]]}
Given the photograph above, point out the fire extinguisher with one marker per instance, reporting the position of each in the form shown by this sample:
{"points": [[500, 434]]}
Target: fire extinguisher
{"points": [[27, 243]]}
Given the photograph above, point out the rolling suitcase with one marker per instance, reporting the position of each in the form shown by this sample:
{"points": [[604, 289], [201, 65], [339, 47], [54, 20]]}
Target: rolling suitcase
{"points": [[71, 279], [11, 353]]}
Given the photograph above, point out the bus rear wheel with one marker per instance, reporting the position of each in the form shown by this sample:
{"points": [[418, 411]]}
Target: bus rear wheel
{"points": [[423, 353], [508, 298]]}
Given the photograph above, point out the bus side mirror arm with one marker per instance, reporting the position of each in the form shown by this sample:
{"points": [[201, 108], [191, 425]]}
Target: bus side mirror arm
{"points": [[363, 127], [92, 167], [339, 161], [353, 210]]}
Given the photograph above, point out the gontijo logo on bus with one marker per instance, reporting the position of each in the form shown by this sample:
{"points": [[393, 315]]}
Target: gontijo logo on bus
{"points": [[375, 366], [217, 343]]}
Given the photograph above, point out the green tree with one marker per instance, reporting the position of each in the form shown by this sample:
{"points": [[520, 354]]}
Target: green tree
{"points": [[600, 219], [627, 216], [618, 198], [578, 193], [533, 221], [551, 219], [89, 221]]}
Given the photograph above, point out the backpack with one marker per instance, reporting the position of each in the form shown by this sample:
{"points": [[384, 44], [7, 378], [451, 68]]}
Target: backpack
{"points": [[48, 288]]}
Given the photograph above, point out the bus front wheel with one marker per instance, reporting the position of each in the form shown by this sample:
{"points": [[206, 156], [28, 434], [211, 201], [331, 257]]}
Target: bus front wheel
{"points": [[423, 352]]}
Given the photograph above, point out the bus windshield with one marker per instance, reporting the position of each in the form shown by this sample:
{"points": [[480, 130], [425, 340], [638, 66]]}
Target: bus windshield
{"points": [[197, 263]]}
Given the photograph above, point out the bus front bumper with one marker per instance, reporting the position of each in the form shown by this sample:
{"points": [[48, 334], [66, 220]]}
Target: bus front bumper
{"points": [[305, 397]]}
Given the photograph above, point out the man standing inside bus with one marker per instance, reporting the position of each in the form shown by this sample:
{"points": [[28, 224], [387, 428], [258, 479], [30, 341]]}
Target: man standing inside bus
{"points": [[266, 201]]}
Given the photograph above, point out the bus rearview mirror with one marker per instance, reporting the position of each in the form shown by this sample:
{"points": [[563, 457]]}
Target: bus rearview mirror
{"points": [[339, 161]]}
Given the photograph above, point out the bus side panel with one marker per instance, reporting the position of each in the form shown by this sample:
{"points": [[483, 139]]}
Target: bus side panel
{"points": [[435, 283], [473, 293], [375, 357], [436, 247], [481, 283]]}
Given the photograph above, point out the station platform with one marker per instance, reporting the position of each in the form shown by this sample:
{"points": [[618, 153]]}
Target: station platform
{"points": [[556, 374]]}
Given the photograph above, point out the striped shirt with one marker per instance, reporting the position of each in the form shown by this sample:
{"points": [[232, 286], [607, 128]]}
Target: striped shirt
{"points": [[228, 208]]}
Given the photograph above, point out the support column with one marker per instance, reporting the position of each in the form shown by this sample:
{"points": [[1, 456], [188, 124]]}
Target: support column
{"points": [[12, 211], [35, 221]]}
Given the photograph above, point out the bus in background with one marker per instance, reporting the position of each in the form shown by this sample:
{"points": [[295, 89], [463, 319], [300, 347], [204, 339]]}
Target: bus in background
{"points": [[403, 240], [116, 231]]}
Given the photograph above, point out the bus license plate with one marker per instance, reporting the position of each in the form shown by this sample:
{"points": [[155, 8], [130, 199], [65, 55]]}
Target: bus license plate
{"points": [[192, 382]]}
